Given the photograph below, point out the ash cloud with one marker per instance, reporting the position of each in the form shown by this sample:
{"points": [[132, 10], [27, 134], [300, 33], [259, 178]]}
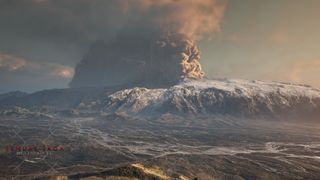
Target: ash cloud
{"points": [[129, 41], [155, 46]]}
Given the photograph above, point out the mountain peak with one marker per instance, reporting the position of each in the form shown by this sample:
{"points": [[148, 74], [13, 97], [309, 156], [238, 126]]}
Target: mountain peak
{"points": [[220, 96]]}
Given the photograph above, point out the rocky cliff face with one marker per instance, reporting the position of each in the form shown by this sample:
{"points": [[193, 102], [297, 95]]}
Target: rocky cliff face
{"points": [[209, 97]]}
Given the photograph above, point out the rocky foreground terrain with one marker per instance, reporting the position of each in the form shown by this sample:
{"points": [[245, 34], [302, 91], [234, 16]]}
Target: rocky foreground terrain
{"points": [[208, 129]]}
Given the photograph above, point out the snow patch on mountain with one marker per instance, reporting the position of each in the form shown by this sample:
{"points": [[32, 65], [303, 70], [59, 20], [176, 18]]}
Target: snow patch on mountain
{"points": [[224, 96]]}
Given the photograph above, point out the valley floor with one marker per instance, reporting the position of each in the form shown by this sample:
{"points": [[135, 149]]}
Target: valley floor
{"points": [[206, 148]]}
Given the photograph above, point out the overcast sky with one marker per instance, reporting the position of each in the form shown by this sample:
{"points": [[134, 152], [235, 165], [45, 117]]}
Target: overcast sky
{"points": [[41, 41]]}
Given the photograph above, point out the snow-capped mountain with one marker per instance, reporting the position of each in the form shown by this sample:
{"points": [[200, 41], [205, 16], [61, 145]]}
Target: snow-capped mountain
{"points": [[232, 97], [198, 97]]}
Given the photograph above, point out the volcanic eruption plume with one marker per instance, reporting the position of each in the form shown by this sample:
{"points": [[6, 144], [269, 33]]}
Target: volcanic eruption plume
{"points": [[155, 46]]}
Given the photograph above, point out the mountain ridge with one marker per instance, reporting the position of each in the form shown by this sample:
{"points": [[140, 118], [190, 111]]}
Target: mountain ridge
{"points": [[233, 97]]}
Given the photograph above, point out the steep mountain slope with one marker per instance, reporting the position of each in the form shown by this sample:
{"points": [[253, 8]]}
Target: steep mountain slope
{"points": [[232, 97]]}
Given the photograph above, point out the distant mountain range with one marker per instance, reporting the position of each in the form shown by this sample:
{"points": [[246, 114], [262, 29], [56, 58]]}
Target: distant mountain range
{"points": [[197, 97]]}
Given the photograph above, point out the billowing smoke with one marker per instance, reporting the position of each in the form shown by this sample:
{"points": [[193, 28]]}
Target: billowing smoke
{"points": [[155, 46]]}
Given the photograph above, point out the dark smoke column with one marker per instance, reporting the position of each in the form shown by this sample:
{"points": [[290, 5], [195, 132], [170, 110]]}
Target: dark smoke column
{"points": [[155, 47], [156, 61]]}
